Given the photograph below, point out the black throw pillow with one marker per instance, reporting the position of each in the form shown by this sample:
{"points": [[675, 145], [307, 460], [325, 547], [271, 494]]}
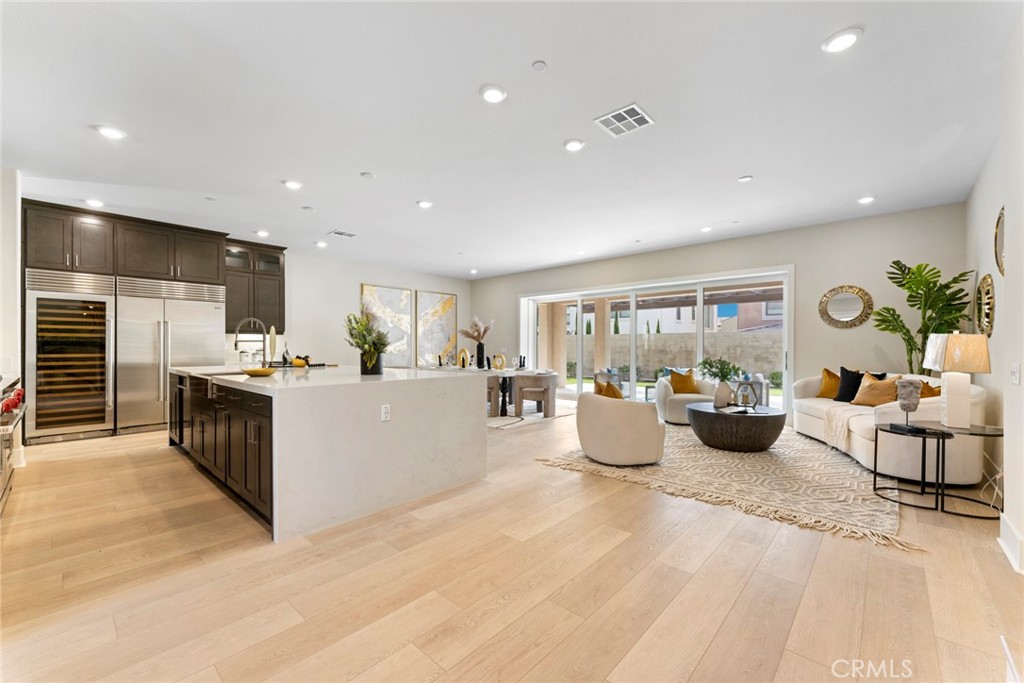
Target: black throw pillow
{"points": [[849, 383]]}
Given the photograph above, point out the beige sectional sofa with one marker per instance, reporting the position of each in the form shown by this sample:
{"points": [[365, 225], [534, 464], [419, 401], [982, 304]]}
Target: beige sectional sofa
{"points": [[898, 456]]}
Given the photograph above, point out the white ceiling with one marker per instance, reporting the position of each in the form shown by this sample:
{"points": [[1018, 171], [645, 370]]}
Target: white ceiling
{"points": [[225, 100]]}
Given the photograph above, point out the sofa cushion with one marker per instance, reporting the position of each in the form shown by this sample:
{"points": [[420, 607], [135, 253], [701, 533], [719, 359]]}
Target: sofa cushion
{"points": [[875, 392], [928, 391], [863, 425], [829, 384], [815, 407], [683, 382]]}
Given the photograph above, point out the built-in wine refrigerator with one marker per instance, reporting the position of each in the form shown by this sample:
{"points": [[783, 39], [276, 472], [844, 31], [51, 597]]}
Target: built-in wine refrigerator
{"points": [[69, 355]]}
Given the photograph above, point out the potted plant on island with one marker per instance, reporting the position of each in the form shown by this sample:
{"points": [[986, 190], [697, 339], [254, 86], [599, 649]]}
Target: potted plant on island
{"points": [[477, 331], [723, 371], [371, 340]]}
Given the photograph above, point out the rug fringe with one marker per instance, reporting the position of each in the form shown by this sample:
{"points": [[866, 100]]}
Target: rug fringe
{"points": [[879, 538]]}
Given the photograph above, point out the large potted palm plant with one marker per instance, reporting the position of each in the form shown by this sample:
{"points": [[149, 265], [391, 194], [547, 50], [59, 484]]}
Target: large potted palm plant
{"points": [[943, 307]]}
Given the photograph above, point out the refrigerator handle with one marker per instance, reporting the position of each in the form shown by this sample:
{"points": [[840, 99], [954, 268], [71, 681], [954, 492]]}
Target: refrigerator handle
{"points": [[167, 347], [110, 363], [161, 374]]}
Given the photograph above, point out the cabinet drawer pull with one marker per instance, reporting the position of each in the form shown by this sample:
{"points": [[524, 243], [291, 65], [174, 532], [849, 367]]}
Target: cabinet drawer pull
{"points": [[179, 271], [76, 260], [67, 260], [172, 271], [256, 404]]}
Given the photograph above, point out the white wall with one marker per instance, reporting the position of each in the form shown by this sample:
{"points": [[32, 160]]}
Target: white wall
{"points": [[851, 252], [321, 291], [1001, 183], [10, 271]]}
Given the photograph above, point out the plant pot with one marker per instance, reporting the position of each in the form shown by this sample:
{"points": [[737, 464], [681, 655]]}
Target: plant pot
{"points": [[480, 355], [723, 394], [376, 369]]}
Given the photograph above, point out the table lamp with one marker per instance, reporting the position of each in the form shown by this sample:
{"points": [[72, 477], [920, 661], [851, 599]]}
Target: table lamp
{"points": [[956, 356]]}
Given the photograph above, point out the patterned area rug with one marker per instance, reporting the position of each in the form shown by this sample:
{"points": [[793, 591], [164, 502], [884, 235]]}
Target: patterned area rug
{"points": [[798, 481]]}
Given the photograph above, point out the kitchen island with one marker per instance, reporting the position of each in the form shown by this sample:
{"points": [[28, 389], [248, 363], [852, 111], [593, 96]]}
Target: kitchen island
{"points": [[309, 448]]}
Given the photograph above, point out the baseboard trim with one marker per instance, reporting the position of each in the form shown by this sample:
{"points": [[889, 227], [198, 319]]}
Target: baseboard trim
{"points": [[1012, 544]]}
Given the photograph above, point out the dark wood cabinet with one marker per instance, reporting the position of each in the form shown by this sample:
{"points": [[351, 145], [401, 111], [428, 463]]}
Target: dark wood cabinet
{"points": [[254, 285], [258, 483], [166, 254], [65, 240], [232, 437], [268, 300], [197, 257], [145, 251]]}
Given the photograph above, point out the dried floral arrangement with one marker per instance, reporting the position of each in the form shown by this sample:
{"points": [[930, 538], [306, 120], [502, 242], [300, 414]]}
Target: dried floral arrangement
{"points": [[476, 330]]}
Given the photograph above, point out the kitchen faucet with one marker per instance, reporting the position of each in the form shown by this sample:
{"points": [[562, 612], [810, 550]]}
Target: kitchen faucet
{"points": [[256, 321]]}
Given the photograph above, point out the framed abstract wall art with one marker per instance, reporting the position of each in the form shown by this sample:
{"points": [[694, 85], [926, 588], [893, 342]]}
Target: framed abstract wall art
{"points": [[436, 325], [392, 306]]}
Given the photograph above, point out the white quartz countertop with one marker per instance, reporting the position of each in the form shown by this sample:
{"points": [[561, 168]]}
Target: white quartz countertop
{"points": [[286, 379]]}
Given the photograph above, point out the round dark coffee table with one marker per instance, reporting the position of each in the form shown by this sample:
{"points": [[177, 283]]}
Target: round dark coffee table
{"points": [[745, 432]]}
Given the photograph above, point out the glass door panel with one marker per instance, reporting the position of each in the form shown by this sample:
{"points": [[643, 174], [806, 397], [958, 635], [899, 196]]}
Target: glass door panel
{"points": [[556, 340], [744, 325], [606, 333], [666, 336]]}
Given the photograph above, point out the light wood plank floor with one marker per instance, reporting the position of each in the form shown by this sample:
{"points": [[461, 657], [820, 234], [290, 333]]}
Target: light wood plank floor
{"points": [[121, 561]]}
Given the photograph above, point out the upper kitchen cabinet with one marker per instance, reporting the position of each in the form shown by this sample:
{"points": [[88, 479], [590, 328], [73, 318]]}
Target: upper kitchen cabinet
{"points": [[66, 240], [163, 253], [198, 257], [255, 284], [242, 257]]}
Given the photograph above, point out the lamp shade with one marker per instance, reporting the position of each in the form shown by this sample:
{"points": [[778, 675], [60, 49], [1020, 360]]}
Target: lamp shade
{"points": [[957, 353]]}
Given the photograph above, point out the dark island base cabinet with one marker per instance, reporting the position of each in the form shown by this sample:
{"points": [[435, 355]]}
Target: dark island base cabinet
{"points": [[231, 437]]}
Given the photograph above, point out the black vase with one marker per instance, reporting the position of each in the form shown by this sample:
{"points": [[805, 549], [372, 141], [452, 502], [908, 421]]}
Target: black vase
{"points": [[376, 369], [480, 355]]}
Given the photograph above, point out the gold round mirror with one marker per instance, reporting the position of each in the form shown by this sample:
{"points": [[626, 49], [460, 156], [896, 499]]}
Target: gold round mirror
{"points": [[845, 306], [985, 306], [1000, 249]]}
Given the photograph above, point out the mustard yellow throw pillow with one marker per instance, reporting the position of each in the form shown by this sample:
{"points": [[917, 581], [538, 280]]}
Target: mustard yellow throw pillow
{"points": [[829, 384], [611, 391], [683, 383], [599, 387], [928, 391], [875, 392]]}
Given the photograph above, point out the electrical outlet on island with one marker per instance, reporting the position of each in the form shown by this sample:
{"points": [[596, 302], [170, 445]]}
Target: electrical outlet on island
{"points": [[385, 412]]}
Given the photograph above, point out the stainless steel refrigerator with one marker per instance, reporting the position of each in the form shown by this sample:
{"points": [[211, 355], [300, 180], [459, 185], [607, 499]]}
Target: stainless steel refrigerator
{"points": [[161, 325]]}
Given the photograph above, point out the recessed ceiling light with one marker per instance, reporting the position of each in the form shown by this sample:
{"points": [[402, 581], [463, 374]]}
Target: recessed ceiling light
{"points": [[574, 145], [473, 272], [94, 203], [842, 40], [492, 94], [262, 233], [292, 184], [369, 175], [581, 252], [706, 228], [540, 65], [745, 179], [865, 200], [424, 203], [111, 132], [322, 245]]}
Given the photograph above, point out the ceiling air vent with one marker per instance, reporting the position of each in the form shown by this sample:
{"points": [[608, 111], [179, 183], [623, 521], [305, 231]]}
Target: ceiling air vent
{"points": [[341, 233], [622, 121]]}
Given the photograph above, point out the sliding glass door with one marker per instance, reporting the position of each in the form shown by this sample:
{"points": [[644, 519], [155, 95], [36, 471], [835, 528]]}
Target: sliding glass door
{"points": [[629, 337]]}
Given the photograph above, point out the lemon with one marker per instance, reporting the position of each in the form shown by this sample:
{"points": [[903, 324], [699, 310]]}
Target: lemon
{"points": [[299, 363]]}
